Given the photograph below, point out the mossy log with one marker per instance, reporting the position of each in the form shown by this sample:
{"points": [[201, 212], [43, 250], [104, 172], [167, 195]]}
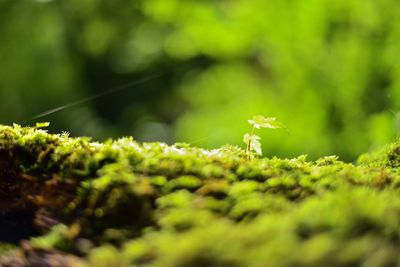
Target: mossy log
{"points": [[72, 202]]}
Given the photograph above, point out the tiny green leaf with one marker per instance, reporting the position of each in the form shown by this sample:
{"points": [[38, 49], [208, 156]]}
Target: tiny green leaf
{"points": [[256, 145], [246, 138], [42, 125], [253, 141], [260, 121]]}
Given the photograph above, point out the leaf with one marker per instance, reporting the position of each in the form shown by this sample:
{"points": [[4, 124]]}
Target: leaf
{"points": [[256, 146], [254, 140], [260, 121]]}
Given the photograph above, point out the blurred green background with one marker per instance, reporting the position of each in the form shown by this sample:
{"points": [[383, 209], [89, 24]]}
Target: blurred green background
{"points": [[329, 70]]}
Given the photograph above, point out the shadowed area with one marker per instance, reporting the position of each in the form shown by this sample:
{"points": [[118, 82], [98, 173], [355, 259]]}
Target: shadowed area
{"points": [[17, 226]]}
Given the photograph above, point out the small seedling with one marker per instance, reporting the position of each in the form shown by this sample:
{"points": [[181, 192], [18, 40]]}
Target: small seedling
{"points": [[252, 140]]}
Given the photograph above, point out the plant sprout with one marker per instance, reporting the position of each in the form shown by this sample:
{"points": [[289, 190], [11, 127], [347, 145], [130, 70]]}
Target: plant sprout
{"points": [[252, 140]]}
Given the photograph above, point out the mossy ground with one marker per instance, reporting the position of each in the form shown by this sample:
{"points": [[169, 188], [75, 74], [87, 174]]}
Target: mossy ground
{"points": [[72, 202]]}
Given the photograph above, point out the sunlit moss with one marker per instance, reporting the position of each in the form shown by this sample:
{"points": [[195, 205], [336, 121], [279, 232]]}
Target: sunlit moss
{"points": [[124, 203]]}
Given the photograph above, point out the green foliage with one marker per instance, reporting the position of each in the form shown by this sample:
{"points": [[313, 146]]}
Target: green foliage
{"points": [[330, 108], [260, 121], [51, 239], [252, 141], [386, 157], [326, 68], [124, 203]]}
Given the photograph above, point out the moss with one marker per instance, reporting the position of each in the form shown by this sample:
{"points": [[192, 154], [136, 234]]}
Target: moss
{"points": [[387, 157], [6, 247], [124, 203]]}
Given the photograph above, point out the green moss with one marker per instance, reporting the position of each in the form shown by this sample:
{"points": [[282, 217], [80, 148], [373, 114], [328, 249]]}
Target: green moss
{"points": [[6, 247], [388, 157], [123, 203], [52, 239]]}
